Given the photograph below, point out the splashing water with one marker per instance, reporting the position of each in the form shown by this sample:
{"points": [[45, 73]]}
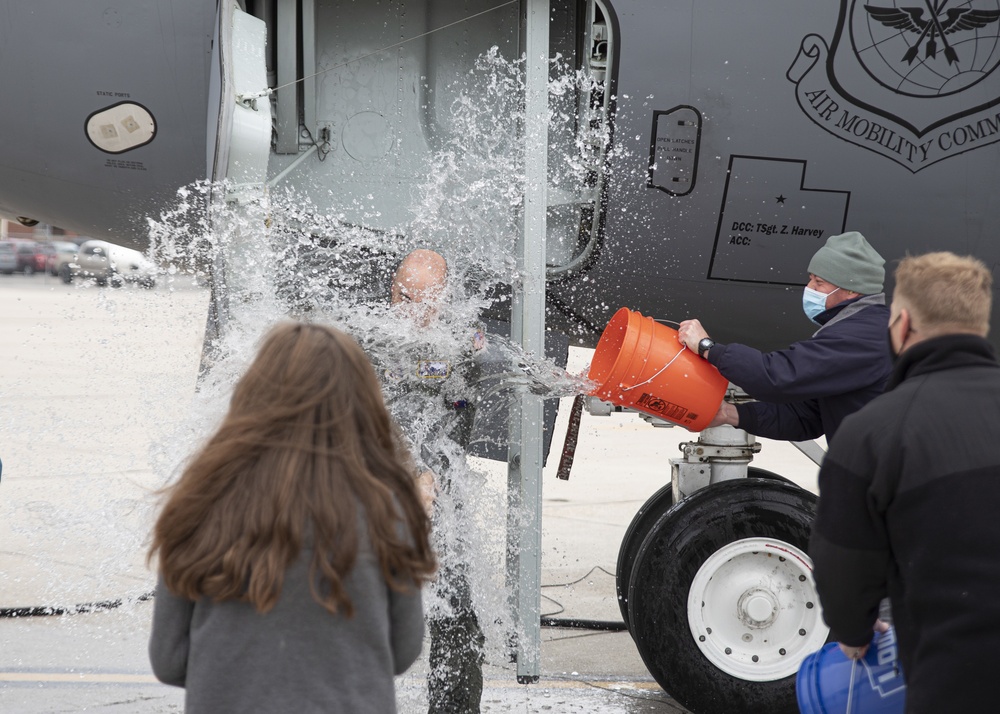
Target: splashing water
{"points": [[281, 256], [278, 255]]}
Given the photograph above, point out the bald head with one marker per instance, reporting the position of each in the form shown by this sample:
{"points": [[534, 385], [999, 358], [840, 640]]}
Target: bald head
{"points": [[420, 277]]}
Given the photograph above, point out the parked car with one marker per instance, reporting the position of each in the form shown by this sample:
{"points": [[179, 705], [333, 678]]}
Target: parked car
{"points": [[112, 264], [28, 255], [8, 257], [45, 251], [61, 253]]}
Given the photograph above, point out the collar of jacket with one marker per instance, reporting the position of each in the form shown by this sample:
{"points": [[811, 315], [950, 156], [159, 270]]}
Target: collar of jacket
{"points": [[846, 309], [944, 352]]}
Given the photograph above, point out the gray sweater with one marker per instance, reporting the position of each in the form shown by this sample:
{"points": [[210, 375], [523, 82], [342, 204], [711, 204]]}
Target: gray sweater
{"points": [[295, 658]]}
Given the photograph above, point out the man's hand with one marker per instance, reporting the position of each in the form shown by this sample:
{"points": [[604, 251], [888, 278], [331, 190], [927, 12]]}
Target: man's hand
{"points": [[853, 652], [427, 491], [691, 333], [727, 414], [859, 652]]}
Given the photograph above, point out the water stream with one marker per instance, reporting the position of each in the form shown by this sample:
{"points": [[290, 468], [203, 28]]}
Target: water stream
{"points": [[277, 255]]}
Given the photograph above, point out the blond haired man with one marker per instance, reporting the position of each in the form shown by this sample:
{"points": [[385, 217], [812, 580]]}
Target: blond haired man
{"points": [[910, 489]]}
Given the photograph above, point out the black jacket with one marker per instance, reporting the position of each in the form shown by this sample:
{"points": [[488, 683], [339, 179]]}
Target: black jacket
{"points": [[909, 507], [807, 389]]}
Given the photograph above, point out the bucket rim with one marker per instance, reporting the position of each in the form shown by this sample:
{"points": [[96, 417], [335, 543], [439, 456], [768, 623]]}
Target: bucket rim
{"points": [[623, 345]]}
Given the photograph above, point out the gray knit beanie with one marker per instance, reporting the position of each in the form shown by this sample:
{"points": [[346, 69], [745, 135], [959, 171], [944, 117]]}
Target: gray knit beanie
{"points": [[849, 262]]}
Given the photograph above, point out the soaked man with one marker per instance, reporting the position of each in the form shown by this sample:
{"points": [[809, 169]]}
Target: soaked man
{"points": [[428, 390]]}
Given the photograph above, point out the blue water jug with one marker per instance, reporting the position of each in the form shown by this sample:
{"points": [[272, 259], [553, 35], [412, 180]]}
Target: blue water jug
{"points": [[828, 681]]}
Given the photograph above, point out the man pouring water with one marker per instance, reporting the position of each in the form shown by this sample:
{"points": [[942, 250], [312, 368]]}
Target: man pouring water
{"points": [[807, 389]]}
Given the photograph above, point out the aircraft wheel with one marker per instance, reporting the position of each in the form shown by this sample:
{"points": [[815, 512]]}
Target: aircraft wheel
{"points": [[643, 521], [722, 604], [754, 472]]}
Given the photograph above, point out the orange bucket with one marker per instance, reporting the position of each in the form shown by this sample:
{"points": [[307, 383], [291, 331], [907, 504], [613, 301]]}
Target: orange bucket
{"points": [[641, 364]]}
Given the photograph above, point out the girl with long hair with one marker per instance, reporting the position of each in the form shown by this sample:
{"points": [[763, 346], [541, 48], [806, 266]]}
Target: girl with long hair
{"points": [[292, 549]]}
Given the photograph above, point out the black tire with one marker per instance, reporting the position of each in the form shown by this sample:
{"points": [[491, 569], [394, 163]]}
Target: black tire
{"points": [[769, 520], [643, 521], [66, 273], [754, 472]]}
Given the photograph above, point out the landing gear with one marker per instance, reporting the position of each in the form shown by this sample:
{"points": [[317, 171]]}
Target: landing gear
{"points": [[721, 602], [643, 521]]}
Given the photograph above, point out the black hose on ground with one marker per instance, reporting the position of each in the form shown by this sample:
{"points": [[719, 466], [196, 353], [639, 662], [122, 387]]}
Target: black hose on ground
{"points": [[82, 608], [103, 606], [581, 624]]}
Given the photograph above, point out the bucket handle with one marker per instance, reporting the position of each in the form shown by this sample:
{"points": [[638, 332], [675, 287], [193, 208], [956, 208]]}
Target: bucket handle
{"points": [[658, 372], [850, 686]]}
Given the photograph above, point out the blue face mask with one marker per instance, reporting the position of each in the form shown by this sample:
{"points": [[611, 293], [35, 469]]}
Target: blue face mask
{"points": [[814, 302]]}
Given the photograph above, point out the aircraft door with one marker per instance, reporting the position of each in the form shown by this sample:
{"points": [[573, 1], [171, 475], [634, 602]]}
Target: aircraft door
{"points": [[242, 128]]}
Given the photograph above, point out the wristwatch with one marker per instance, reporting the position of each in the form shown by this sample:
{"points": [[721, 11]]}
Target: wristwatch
{"points": [[705, 345]]}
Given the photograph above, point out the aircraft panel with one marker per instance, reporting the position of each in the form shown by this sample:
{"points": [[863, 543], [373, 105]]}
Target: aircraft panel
{"points": [[63, 65], [904, 152]]}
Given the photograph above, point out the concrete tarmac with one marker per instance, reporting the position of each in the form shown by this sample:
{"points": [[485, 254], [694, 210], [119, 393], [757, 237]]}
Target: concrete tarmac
{"points": [[96, 393]]}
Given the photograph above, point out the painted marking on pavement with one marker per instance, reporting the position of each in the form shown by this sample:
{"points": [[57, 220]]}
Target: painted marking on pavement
{"points": [[78, 678], [113, 678]]}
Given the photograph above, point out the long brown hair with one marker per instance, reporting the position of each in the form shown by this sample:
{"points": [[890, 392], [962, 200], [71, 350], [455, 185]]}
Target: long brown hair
{"points": [[306, 449]]}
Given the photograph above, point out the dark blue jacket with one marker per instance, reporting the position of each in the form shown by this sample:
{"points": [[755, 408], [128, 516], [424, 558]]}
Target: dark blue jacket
{"points": [[807, 389]]}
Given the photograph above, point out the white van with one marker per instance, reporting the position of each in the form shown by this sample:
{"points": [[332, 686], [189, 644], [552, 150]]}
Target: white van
{"points": [[109, 263]]}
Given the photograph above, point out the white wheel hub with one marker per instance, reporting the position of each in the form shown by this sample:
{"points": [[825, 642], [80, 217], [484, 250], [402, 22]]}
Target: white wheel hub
{"points": [[753, 609]]}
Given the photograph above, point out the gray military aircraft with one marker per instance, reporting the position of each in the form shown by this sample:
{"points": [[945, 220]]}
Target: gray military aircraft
{"points": [[722, 144]]}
